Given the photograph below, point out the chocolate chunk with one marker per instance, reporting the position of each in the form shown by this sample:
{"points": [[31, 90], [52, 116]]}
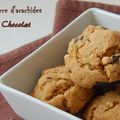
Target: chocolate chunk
{"points": [[103, 87], [49, 78], [115, 59]]}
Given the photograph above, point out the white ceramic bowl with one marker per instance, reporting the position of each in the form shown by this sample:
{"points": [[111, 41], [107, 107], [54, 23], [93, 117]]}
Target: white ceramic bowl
{"points": [[20, 80]]}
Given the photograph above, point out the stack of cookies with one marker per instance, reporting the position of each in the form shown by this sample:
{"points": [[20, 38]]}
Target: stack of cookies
{"points": [[92, 58]]}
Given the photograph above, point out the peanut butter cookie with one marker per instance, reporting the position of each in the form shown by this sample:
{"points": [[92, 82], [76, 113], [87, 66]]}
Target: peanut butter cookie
{"points": [[106, 107], [94, 56], [56, 88]]}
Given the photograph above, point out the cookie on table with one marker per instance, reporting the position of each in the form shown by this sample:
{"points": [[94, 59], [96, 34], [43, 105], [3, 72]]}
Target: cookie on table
{"points": [[105, 107], [56, 88], [94, 56]]}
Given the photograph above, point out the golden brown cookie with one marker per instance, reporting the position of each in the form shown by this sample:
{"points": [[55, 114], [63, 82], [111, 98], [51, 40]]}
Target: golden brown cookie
{"points": [[56, 88], [94, 56], [106, 107]]}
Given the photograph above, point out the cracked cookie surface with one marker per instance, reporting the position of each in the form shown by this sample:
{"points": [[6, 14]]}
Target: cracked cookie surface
{"points": [[56, 88], [106, 107], [94, 56]]}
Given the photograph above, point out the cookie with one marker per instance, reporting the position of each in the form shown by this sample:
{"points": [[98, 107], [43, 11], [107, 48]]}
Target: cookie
{"points": [[94, 56], [106, 107], [56, 88]]}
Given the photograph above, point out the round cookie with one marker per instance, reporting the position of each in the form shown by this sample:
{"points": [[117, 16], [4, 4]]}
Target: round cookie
{"points": [[94, 56], [56, 88], [106, 107]]}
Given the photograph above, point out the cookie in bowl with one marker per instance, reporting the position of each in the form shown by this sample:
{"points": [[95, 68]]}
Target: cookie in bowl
{"points": [[94, 56], [56, 88], [105, 107]]}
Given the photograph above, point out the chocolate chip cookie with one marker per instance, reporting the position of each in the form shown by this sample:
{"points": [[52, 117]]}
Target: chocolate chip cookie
{"points": [[94, 56], [56, 88]]}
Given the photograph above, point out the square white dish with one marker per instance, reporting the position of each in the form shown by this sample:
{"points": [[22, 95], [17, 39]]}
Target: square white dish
{"points": [[17, 83]]}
